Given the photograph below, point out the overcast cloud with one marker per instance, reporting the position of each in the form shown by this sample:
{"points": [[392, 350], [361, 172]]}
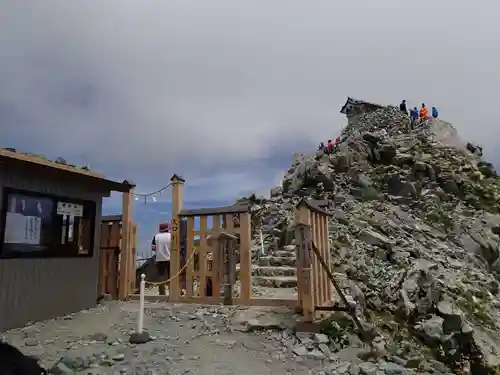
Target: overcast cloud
{"points": [[224, 91]]}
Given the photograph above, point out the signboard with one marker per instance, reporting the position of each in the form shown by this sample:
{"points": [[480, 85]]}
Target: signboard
{"points": [[70, 209], [22, 229]]}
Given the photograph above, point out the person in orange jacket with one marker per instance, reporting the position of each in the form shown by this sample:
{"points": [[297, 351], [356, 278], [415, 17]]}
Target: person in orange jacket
{"points": [[424, 112]]}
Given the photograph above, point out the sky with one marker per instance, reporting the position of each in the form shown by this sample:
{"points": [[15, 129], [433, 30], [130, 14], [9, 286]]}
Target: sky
{"points": [[223, 92]]}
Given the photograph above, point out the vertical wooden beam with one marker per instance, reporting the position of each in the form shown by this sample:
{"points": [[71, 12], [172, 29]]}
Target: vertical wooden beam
{"points": [[322, 273], [103, 264], [301, 217], [202, 253], [133, 241], [326, 256], [303, 242], [245, 231], [329, 258], [125, 249], [216, 280], [189, 252], [175, 258], [314, 268]]}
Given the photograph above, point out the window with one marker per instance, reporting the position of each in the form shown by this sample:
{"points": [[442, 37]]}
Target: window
{"points": [[40, 225]]}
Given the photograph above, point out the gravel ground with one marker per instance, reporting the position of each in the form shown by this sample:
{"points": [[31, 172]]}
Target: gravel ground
{"points": [[187, 339]]}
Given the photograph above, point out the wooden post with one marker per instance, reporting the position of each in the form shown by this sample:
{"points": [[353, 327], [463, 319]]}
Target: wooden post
{"points": [[175, 258], [126, 246], [304, 247], [245, 258], [302, 216]]}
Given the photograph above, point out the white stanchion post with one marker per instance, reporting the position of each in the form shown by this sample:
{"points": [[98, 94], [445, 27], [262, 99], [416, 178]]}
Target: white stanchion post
{"points": [[140, 336], [262, 252], [142, 290]]}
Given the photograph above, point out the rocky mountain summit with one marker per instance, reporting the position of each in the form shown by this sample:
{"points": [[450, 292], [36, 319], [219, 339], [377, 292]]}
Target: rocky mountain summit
{"points": [[416, 228]]}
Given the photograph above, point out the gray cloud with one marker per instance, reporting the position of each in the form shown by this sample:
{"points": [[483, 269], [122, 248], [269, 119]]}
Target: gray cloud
{"points": [[143, 89]]}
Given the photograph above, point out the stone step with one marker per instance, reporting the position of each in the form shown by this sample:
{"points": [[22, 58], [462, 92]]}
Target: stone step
{"points": [[277, 261], [274, 271], [276, 281], [283, 253]]}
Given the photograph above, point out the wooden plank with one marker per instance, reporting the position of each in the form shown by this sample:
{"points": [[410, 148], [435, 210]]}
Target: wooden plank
{"points": [[315, 265], [326, 254], [216, 280], [321, 239], [125, 253], [115, 234], [292, 303], [102, 271], [132, 264], [245, 232], [229, 248], [202, 251], [329, 259], [113, 273], [303, 242], [103, 241], [189, 252]]}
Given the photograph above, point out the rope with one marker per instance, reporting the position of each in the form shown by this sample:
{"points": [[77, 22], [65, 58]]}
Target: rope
{"points": [[173, 277], [153, 193]]}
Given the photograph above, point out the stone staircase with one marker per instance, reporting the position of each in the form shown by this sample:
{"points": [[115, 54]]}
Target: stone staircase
{"points": [[276, 269]]}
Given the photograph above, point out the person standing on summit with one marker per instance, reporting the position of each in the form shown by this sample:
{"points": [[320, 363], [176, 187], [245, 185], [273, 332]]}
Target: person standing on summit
{"points": [[424, 112], [434, 112], [402, 107], [413, 117], [161, 246]]}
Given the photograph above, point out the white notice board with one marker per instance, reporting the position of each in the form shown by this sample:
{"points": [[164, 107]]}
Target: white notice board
{"points": [[22, 229], [70, 209]]}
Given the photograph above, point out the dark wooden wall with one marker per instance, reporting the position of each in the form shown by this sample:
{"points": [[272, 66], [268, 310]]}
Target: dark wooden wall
{"points": [[39, 289]]}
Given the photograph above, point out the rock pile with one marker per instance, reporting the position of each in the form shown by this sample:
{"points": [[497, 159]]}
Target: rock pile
{"points": [[416, 228]]}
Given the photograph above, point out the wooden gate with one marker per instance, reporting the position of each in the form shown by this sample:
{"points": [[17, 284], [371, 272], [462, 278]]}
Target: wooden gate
{"points": [[203, 278], [215, 246], [315, 289], [110, 252]]}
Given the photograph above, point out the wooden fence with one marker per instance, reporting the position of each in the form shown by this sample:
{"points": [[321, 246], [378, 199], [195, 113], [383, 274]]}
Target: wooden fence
{"points": [[110, 256], [207, 273], [212, 241]]}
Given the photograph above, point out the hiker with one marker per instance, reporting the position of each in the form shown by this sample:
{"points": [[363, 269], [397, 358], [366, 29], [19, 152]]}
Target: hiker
{"points": [[424, 113], [161, 245], [413, 117], [434, 112], [336, 144], [329, 146], [321, 147], [402, 107]]}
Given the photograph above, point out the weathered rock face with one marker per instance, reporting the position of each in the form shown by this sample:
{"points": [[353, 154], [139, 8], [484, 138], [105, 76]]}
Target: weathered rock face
{"points": [[415, 226]]}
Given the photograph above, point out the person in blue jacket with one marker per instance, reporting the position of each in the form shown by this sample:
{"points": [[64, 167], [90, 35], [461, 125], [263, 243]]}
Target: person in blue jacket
{"points": [[434, 112], [413, 117]]}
